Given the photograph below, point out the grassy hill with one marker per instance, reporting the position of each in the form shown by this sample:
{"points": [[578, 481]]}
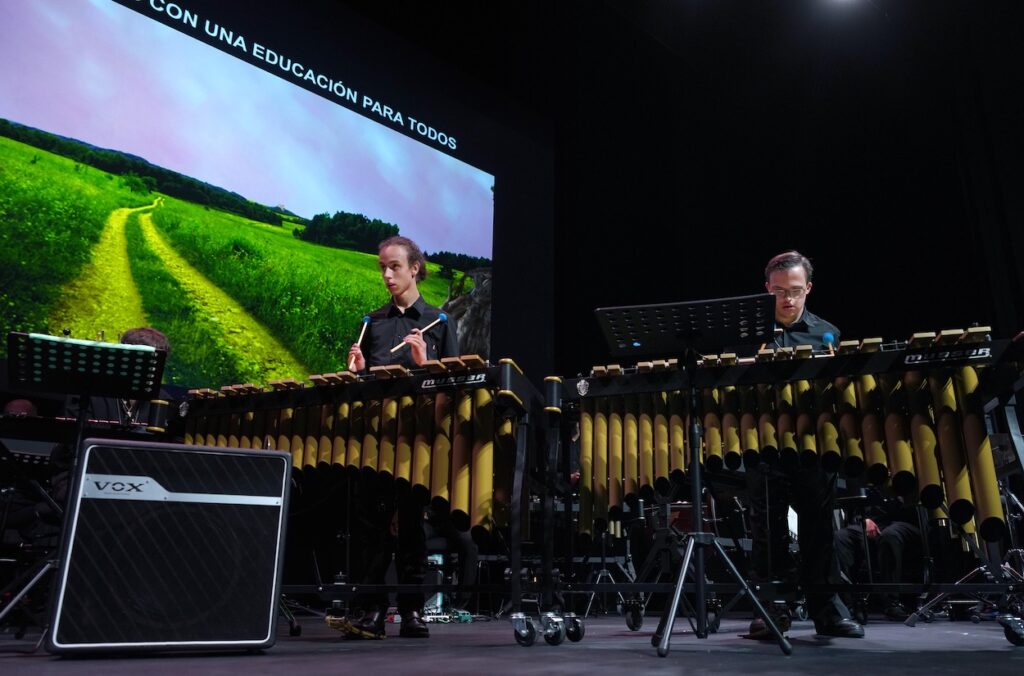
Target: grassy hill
{"points": [[309, 298]]}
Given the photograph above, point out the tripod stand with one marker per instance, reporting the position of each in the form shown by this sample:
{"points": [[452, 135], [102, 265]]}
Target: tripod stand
{"points": [[683, 328], [696, 544], [601, 575]]}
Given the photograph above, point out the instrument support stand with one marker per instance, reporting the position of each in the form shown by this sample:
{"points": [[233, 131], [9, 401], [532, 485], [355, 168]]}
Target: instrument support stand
{"points": [[993, 571]]}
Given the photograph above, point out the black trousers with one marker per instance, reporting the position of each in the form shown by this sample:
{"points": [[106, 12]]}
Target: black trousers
{"points": [[457, 542], [898, 550], [811, 493], [386, 528]]}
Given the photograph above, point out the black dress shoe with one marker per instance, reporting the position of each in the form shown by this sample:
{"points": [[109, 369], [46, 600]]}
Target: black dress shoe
{"points": [[369, 626], [413, 626], [839, 628], [356, 629]]}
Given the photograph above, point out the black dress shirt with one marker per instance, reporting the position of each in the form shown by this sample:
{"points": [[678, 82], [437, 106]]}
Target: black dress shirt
{"points": [[389, 325], [810, 329]]}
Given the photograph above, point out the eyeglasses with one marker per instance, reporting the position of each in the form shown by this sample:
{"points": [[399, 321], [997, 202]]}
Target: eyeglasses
{"points": [[792, 294]]}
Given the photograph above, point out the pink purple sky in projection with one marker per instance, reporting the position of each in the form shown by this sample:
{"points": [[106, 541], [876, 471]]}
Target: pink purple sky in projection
{"points": [[101, 73]]}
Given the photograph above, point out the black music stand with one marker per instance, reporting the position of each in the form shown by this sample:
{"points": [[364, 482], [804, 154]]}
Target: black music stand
{"points": [[690, 329], [61, 365]]}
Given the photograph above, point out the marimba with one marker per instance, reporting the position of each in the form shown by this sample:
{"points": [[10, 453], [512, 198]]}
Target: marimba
{"points": [[449, 433], [910, 414]]}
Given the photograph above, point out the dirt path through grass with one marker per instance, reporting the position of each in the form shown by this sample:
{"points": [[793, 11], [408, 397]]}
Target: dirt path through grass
{"points": [[239, 330], [104, 298]]}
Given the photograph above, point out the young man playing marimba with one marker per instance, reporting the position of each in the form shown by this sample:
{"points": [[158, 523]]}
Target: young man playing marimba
{"points": [[402, 265], [386, 523], [809, 490]]}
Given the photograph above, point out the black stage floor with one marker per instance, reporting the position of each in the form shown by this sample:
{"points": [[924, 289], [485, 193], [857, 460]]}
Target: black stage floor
{"points": [[943, 647]]}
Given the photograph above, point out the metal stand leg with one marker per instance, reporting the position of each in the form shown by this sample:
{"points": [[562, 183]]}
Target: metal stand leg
{"points": [[602, 575], [694, 544], [36, 573], [916, 615]]}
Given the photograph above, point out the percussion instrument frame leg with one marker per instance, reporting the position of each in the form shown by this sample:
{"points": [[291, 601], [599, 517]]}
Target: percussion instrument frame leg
{"points": [[992, 569], [515, 525]]}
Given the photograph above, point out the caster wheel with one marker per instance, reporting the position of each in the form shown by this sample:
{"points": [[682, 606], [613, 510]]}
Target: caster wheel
{"points": [[556, 637], [1013, 637], [800, 613], [714, 615], [575, 630], [295, 630], [527, 637], [634, 618]]}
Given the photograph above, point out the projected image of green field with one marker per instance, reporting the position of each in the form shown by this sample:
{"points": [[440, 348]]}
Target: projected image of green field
{"points": [[240, 300], [52, 214]]}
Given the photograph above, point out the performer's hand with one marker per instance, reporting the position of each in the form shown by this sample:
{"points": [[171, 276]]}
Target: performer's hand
{"points": [[355, 359], [871, 528], [418, 346]]}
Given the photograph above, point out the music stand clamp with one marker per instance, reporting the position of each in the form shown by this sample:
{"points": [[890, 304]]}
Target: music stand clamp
{"points": [[690, 329], [60, 365]]}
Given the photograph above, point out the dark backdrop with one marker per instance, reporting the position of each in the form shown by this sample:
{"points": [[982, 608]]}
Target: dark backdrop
{"points": [[695, 139], [847, 132]]}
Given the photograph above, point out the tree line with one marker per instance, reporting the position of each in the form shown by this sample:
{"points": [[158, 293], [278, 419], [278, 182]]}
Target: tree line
{"points": [[457, 261], [345, 230]]}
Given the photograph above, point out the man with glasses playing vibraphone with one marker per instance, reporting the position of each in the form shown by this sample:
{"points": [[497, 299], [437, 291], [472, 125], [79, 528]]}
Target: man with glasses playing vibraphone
{"points": [[385, 527], [809, 490]]}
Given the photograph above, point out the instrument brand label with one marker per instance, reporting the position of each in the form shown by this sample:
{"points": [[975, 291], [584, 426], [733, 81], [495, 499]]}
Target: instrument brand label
{"points": [[127, 487], [451, 381], [121, 486], [941, 356]]}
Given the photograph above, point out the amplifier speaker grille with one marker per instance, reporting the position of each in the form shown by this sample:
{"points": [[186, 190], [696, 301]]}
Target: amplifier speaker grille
{"points": [[171, 547]]}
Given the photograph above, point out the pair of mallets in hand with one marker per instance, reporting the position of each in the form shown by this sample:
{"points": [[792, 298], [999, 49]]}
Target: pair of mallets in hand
{"points": [[366, 322]]}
